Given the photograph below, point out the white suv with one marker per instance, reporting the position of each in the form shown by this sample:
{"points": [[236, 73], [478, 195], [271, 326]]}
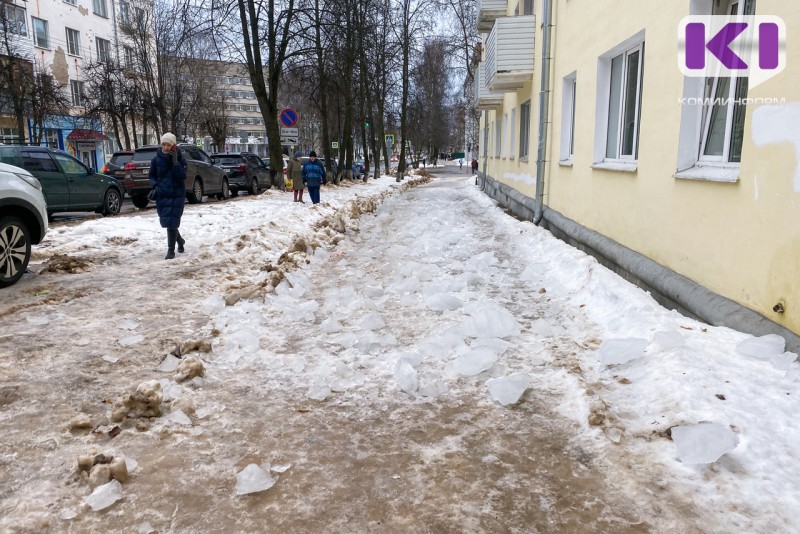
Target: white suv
{"points": [[23, 221]]}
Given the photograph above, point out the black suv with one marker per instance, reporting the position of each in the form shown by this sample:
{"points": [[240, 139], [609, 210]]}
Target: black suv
{"points": [[67, 184], [116, 165], [246, 171], [202, 176]]}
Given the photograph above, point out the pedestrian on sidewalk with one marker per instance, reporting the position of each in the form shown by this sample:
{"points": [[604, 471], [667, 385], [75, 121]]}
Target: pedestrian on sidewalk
{"points": [[168, 181], [295, 172], [460, 163], [313, 176], [474, 166]]}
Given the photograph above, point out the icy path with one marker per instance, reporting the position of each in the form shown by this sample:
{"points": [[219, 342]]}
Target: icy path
{"points": [[429, 296], [368, 386]]}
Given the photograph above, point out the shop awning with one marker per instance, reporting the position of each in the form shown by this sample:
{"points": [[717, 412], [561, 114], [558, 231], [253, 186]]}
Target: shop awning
{"points": [[86, 135]]}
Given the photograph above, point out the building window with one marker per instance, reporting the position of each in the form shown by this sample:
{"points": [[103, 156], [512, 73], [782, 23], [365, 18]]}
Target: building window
{"points": [[498, 137], [73, 42], [99, 8], [14, 17], [124, 12], [485, 140], [618, 105], [41, 37], [512, 126], [524, 128], [76, 88], [723, 110], [103, 50], [527, 7], [127, 54], [71, 2], [569, 87], [624, 104], [9, 135]]}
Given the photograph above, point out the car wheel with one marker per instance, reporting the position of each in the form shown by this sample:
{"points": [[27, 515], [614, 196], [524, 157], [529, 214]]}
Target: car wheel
{"points": [[226, 191], [196, 196], [254, 187], [112, 203], [140, 202], [15, 250]]}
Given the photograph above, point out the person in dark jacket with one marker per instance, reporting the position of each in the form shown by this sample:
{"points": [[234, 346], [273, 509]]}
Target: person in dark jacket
{"points": [[168, 179], [314, 176]]}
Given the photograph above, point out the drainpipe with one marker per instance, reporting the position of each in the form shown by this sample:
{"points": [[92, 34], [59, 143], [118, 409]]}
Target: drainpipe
{"points": [[544, 111]]}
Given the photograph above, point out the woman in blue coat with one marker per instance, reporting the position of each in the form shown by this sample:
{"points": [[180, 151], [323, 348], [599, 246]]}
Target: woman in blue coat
{"points": [[168, 178]]}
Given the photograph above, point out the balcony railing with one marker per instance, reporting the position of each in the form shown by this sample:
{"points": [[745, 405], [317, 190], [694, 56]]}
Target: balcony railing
{"points": [[484, 98], [488, 11], [510, 53]]}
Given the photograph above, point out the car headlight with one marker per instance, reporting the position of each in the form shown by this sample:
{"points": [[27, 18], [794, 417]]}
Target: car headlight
{"points": [[31, 180]]}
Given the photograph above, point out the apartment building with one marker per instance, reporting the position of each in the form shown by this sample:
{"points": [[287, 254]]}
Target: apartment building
{"points": [[686, 185], [16, 48]]}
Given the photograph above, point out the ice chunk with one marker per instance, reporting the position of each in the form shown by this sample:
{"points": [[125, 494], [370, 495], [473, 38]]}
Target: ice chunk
{"points": [[319, 393], [496, 344], [104, 496], [280, 468], [443, 302], [413, 358], [783, 361], [179, 417], [246, 339], [295, 364], [169, 364], [703, 443], [128, 324], [665, 341], [508, 389], [618, 351], [83, 342], [110, 359], [301, 312], [474, 362], [330, 326], [430, 386], [372, 321], [131, 340], [764, 347], [405, 285], [68, 513], [489, 319], [373, 292], [145, 528], [371, 343], [406, 377], [38, 321], [253, 479], [213, 305]]}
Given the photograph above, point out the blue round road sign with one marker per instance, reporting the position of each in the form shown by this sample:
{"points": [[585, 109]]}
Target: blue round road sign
{"points": [[288, 117]]}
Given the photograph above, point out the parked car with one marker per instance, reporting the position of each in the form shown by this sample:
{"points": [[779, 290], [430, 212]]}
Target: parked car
{"points": [[23, 221], [67, 184], [202, 176], [358, 169], [245, 170]]}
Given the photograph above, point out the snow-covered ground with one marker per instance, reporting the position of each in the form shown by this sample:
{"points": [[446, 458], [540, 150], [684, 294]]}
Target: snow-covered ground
{"points": [[394, 359]]}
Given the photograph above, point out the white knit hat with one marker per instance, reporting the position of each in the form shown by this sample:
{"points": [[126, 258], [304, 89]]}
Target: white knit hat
{"points": [[169, 138]]}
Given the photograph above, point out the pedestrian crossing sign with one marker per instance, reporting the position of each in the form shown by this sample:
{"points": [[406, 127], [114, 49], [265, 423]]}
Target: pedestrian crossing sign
{"points": [[389, 139]]}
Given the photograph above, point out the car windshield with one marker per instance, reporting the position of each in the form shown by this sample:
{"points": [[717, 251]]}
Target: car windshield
{"points": [[121, 159], [145, 154], [226, 160]]}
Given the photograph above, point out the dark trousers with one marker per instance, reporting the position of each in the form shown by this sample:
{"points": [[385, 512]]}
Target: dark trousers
{"points": [[313, 192]]}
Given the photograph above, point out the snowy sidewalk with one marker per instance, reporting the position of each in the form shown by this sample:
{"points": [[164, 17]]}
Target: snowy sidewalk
{"points": [[372, 388]]}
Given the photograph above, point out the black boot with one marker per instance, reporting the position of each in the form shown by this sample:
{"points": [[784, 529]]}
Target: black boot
{"points": [[172, 235], [181, 241]]}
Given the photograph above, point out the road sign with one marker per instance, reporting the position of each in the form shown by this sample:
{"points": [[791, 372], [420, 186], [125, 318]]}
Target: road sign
{"points": [[389, 139], [291, 141], [290, 132], [289, 117], [335, 144], [198, 142]]}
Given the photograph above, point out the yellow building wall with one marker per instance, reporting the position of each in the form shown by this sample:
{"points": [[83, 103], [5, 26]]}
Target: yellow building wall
{"points": [[742, 239]]}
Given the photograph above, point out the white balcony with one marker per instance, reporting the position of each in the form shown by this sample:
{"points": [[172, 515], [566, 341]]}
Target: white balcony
{"points": [[484, 98], [488, 11], [509, 53]]}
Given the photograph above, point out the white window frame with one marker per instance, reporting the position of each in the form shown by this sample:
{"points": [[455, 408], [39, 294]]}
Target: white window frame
{"points": [[498, 140], [36, 41], [16, 19], [76, 90], [568, 107], [524, 130], [102, 44], [100, 8], [603, 100], [127, 56], [692, 164], [74, 43], [124, 12], [512, 127]]}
